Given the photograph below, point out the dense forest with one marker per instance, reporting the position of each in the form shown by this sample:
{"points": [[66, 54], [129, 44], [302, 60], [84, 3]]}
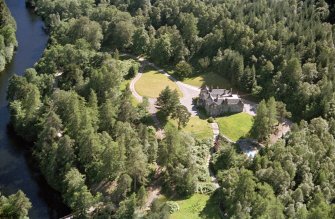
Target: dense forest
{"points": [[91, 142], [88, 134], [283, 49], [7, 36]]}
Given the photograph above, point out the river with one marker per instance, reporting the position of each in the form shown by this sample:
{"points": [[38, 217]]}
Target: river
{"points": [[17, 168]]}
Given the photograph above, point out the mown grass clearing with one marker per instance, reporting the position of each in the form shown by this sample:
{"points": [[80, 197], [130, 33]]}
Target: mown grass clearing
{"points": [[235, 126], [209, 79], [198, 206], [199, 128], [153, 82]]}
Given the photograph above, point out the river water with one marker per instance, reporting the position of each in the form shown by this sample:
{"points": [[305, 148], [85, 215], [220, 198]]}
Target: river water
{"points": [[17, 168]]}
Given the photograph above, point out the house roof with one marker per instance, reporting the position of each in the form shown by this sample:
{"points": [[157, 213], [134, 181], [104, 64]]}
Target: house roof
{"points": [[221, 96], [219, 92]]}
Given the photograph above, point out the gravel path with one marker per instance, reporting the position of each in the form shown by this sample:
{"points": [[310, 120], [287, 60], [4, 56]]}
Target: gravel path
{"points": [[138, 97], [250, 107], [216, 133]]}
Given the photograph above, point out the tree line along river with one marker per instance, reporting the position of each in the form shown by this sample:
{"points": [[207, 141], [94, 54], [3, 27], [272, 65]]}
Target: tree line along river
{"points": [[17, 168]]}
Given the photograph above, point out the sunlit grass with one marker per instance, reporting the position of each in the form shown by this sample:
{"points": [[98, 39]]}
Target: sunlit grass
{"points": [[199, 128], [198, 206], [209, 79], [152, 83], [235, 126]]}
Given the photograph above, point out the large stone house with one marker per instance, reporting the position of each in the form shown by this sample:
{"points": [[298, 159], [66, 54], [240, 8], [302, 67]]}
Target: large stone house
{"points": [[219, 101]]}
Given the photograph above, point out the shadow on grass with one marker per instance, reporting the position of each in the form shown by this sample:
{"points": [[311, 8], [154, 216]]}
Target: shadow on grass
{"points": [[212, 208], [163, 119], [201, 112], [148, 120]]}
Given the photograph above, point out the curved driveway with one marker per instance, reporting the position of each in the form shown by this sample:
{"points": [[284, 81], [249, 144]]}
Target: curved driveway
{"points": [[189, 92]]}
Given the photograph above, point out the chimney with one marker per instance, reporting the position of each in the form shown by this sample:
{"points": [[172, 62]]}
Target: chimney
{"points": [[217, 98]]}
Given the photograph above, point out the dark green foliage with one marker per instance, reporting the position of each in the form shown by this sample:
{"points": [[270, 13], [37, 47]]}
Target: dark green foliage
{"points": [[141, 41], [141, 197], [182, 115], [124, 187], [133, 70], [280, 49], [87, 132], [159, 210], [7, 36], [175, 153], [183, 70], [15, 206], [122, 34], [127, 208], [230, 64], [283, 176], [168, 101], [267, 117], [261, 128], [79, 29], [77, 194], [25, 103]]}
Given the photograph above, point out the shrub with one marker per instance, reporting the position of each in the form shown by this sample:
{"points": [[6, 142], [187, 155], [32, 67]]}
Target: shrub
{"points": [[132, 72], [173, 206], [205, 188], [204, 62], [195, 100], [210, 120], [183, 70]]}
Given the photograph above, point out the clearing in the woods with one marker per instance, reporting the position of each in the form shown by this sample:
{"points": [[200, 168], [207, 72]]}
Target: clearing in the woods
{"points": [[198, 206], [153, 82], [198, 127], [208, 79], [235, 126]]}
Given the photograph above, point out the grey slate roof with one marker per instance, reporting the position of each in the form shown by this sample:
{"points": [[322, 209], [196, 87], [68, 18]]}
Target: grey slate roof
{"points": [[221, 96]]}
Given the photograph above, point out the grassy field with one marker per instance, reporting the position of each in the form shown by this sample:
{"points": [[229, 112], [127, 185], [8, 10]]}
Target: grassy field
{"points": [[235, 126], [152, 83], [199, 128], [209, 79], [199, 206]]}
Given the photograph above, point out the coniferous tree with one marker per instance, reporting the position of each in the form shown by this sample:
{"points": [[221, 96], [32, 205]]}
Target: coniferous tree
{"points": [[261, 128], [182, 115], [167, 101]]}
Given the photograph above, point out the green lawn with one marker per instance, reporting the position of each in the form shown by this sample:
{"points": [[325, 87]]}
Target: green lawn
{"points": [[235, 126], [199, 206], [152, 83], [199, 128], [209, 79]]}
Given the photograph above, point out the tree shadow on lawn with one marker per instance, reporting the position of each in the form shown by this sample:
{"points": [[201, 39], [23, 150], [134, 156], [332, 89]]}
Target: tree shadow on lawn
{"points": [[212, 207]]}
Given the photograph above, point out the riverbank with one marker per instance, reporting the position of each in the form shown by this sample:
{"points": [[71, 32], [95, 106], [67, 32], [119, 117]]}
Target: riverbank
{"points": [[17, 167]]}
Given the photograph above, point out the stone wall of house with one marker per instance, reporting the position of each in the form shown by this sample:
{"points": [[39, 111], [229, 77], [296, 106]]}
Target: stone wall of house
{"points": [[217, 110]]}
